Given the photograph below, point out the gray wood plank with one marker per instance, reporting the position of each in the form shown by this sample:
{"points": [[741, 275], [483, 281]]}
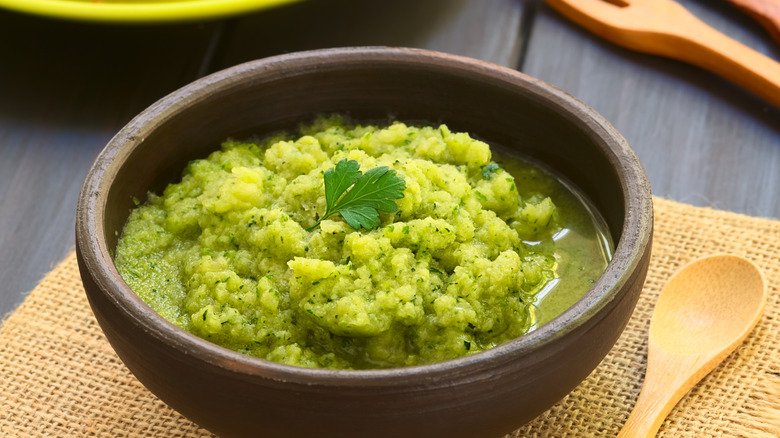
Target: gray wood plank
{"points": [[65, 89], [702, 139], [483, 29]]}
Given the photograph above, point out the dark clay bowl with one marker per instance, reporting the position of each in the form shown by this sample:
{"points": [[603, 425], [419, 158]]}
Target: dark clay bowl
{"points": [[483, 395]]}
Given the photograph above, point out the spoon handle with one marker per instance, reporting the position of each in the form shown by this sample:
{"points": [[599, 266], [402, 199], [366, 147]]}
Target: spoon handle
{"points": [[669, 377]]}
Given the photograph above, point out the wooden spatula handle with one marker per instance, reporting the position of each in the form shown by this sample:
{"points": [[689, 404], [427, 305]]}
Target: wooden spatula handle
{"points": [[704, 46], [766, 12]]}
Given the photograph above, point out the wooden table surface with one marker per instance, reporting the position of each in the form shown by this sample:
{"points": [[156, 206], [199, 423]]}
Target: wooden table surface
{"points": [[66, 87]]}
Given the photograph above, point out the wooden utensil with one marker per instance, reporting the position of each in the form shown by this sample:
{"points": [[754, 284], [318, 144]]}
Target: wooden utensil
{"points": [[703, 314], [664, 27], [766, 12]]}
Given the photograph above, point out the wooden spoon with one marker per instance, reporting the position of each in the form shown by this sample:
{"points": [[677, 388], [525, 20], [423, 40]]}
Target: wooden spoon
{"points": [[703, 314], [666, 28]]}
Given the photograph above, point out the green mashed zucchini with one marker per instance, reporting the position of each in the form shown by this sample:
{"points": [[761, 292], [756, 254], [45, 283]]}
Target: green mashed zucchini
{"points": [[225, 254]]}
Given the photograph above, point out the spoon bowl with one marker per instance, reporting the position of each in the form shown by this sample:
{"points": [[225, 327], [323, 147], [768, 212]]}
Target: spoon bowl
{"points": [[705, 311]]}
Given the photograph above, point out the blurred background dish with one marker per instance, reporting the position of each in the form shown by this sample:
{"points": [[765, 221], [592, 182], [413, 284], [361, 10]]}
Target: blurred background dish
{"points": [[139, 11]]}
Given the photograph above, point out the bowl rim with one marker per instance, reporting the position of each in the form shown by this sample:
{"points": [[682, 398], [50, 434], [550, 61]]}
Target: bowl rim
{"points": [[634, 237]]}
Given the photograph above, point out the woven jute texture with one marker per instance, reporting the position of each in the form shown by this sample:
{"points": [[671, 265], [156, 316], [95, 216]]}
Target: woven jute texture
{"points": [[60, 378]]}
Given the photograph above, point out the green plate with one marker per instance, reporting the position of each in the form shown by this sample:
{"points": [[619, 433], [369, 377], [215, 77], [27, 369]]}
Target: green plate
{"points": [[139, 11]]}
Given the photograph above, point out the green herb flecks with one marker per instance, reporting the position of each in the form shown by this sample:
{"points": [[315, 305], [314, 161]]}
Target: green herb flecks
{"points": [[366, 193], [489, 169]]}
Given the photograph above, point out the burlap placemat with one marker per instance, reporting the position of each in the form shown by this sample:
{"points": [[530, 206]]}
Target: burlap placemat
{"points": [[59, 376]]}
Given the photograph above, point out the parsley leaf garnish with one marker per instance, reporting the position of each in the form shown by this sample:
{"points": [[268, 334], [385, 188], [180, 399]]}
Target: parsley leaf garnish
{"points": [[366, 193]]}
